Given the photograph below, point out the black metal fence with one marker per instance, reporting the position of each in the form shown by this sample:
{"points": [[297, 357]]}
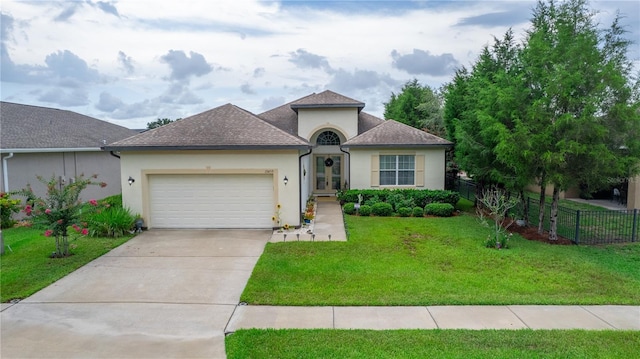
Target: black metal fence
{"points": [[579, 226]]}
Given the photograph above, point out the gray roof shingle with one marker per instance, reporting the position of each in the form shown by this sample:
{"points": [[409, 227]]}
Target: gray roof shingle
{"points": [[395, 134], [286, 119], [224, 127], [326, 99], [29, 127]]}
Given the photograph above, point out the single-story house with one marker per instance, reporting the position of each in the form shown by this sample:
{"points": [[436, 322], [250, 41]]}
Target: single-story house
{"points": [[41, 141], [230, 168]]}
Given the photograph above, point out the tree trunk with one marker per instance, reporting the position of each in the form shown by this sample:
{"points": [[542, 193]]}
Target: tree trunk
{"points": [[553, 217], [543, 188]]}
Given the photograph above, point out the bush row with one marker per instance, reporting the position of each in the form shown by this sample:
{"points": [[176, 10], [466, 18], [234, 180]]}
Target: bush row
{"points": [[382, 209], [399, 198]]}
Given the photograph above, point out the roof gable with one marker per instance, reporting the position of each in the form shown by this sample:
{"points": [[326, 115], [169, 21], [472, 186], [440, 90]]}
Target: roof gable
{"points": [[32, 127], [224, 127], [395, 134], [326, 99]]}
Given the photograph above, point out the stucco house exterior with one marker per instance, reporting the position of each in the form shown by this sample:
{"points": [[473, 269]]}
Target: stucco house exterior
{"points": [[229, 168], [41, 141]]}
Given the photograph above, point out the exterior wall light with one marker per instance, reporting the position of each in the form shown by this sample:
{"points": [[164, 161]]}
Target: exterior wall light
{"points": [[131, 180], [286, 180]]}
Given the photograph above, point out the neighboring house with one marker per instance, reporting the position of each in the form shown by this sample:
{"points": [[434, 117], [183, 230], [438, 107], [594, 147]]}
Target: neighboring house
{"points": [[229, 168], [40, 141]]}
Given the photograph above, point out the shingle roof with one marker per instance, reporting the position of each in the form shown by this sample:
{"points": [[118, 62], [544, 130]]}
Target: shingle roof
{"points": [[326, 99], [224, 127], [283, 117], [367, 122], [286, 119], [396, 134], [32, 127]]}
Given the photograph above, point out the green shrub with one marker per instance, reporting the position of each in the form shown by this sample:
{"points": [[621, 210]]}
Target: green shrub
{"points": [[349, 208], [439, 209], [398, 200], [8, 207], [372, 201], [365, 210], [110, 222], [420, 197], [418, 212], [382, 209], [404, 212], [112, 201]]}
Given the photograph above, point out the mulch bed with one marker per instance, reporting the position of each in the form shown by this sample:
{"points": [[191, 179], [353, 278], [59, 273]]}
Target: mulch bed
{"points": [[531, 233]]}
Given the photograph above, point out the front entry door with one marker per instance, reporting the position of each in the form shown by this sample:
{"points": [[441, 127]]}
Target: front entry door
{"points": [[328, 176]]}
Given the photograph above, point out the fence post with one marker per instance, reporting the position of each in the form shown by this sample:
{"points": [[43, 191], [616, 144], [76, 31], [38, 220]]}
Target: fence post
{"points": [[577, 235], [634, 231]]}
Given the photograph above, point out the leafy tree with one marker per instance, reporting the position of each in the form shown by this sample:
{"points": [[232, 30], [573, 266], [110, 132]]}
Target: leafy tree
{"points": [[59, 210], [559, 110], [159, 123], [583, 122], [417, 106]]}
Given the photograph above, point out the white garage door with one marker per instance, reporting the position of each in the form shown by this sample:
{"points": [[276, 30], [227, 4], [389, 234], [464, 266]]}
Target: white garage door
{"points": [[211, 201]]}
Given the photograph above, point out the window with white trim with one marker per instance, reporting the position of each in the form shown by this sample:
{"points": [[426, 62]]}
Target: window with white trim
{"points": [[397, 170]]}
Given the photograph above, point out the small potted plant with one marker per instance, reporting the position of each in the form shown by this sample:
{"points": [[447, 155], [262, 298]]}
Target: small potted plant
{"points": [[308, 216]]}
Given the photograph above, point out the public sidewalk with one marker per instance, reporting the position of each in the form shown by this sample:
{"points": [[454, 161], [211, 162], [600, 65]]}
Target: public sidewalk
{"points": [[598, 317]]}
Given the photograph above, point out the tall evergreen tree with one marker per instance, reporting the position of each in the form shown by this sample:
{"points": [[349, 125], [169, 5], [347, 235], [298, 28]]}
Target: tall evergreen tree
{"points": [[417, 106], [561, 109]]}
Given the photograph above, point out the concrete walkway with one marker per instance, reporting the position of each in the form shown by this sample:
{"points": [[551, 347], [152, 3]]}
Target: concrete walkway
{"points": [[612, 205], [438, 317], [328, 225]]}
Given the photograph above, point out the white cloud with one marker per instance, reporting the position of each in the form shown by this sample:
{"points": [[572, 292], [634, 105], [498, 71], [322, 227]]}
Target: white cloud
{"points": [[112, 59]]}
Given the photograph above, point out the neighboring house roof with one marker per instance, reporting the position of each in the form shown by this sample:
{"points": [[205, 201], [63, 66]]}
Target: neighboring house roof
{"points": [[395, 134], [224, 127], [326, 99], [26, 128]]}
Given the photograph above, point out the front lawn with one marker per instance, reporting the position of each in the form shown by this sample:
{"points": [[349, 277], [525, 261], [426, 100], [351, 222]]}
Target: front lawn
{"points": [[440, 261], [26, 267], [509, 344]]}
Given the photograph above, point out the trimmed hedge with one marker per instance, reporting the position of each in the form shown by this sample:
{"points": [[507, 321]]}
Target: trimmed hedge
{"points": [[418, 212], [365, 210], [439, 209], [404, 212], [420, 197], [349, 208], [382, 209]]}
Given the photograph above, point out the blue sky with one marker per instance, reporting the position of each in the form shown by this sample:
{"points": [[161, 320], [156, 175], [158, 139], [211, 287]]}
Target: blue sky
{"points": [[130, 62]]}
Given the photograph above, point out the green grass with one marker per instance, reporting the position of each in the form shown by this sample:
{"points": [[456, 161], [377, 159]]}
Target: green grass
{"points": [[465, 344], [27, 268], [440, 261]]}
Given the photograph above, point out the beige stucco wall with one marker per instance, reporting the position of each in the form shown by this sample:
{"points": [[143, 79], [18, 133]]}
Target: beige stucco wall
{"points": [[140, 165], [23, 168], [434, 166], [345, 120], [633, 196]]}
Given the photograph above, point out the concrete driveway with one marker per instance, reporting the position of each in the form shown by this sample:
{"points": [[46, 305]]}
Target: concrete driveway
{"points": [[162, 294]]}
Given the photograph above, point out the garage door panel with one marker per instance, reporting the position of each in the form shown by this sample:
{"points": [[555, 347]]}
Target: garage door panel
{"points": [[211, 201]]}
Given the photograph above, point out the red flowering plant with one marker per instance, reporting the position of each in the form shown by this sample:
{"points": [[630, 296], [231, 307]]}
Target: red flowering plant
{"points": [[60, 209]]}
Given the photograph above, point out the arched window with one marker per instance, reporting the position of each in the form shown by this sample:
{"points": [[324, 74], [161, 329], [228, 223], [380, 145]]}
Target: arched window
{"points": [[328, 138]]}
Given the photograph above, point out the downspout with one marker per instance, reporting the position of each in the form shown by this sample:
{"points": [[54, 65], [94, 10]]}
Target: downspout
{"points": [[113, 154], [300, 182], [5, 174], [349, 175]]}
